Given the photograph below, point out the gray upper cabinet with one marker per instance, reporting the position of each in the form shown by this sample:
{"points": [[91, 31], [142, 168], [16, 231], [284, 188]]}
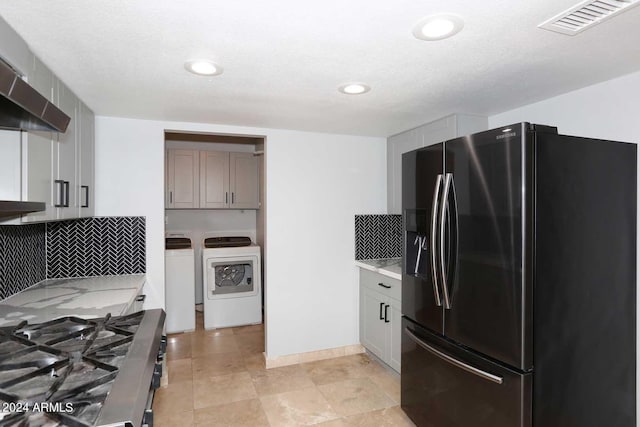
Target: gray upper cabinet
{"points": [[243, 181], [64, 156], [448, 127], [55, 168], [37, 150], [219, 180], [86, 162], [58, 168], [182, 180], [214, 179]]}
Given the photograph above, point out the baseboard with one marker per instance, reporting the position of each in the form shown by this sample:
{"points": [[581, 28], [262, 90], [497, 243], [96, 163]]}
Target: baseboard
{"points": [[311, 356]]}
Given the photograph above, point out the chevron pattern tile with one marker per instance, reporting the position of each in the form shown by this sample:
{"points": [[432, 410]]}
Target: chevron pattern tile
{"points": [[96, 247], [378, 236], [22, 257]]}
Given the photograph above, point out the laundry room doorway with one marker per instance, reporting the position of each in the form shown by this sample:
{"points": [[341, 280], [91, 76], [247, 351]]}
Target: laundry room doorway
{"points": [[215, 198]]}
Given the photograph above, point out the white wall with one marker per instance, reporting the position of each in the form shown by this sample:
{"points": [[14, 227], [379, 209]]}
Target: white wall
{"points": [[608, 110], [316, 183]]}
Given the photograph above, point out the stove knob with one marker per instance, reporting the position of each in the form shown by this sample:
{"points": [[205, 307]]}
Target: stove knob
{"points": [[157, 374], [147, 418]]}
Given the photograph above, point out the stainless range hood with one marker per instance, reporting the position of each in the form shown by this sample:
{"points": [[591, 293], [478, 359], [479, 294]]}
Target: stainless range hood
{"points": [[23, 108], [15, 208]]}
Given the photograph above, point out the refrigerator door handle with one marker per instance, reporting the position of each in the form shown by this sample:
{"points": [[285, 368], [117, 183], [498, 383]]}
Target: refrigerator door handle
{"points": [[448, 180], [434, 246], [479, 372]]}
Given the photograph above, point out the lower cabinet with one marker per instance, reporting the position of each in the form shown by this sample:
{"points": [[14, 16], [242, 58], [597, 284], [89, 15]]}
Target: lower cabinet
{"points": [[381, 316]]}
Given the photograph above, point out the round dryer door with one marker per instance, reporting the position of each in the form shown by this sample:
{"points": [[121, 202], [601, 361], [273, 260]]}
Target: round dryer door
{"points": [[235, 278]]}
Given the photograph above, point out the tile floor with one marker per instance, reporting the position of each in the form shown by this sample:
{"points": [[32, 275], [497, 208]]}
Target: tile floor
{"points": [[218, 378]]}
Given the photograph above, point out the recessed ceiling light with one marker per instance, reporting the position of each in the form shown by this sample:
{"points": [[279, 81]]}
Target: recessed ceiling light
{"points": [[203, 67], [438, 27], [354, 88]]}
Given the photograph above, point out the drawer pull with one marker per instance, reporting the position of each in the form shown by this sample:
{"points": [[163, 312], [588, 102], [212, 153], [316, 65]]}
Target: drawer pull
{"points": [[381, 305], [384, 286], [475, 371]]}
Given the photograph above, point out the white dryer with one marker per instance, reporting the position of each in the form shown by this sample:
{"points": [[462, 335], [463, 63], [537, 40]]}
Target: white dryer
{"points": [[232, 284]]}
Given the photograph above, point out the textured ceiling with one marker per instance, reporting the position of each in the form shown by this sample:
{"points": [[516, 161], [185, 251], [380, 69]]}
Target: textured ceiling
{"points": [[284, 59]]}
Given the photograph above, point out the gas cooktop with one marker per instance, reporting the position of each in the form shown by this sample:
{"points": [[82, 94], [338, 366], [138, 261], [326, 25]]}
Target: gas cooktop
{"points": [[78, 372]]}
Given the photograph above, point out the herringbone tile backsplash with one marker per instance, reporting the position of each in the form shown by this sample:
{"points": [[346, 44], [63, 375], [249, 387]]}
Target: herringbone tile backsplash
{"points": [[22, 257], [75, 248], [378, 236], [96, 247]]}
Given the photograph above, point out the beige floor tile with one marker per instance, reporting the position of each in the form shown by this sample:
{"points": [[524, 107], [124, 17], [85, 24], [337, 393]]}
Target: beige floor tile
{"points": [[280, 380], [248, 329], [389, 382], [220, 332], [209, 344], [255, 362], [342, 368], [182, 419], [173, 399], [355, 396], [389, 417], [340, 422], [178, 346], [245, 413], [222, 389], [179, 370], [250, 343], [217, 364], [297, 408]]}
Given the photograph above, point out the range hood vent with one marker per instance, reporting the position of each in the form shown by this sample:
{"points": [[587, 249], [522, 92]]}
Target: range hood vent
{"points": [[23, 108], [586, 15], [11, 208]]}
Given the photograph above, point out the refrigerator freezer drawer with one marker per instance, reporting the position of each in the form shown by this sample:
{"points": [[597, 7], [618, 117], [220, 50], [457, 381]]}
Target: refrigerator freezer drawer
{"points": [[444, 385]]}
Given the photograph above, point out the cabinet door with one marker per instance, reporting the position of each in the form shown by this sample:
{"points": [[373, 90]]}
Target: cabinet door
{"points": [[182, 179], [395, 334], [243, 173], [373, 329], [65, 157], [37, 151], [86, 147], [214, 180], [37, 173]]}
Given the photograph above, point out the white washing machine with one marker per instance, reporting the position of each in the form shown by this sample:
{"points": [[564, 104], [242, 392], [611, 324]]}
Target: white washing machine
{"points": [[179, 285], [232, 284]]}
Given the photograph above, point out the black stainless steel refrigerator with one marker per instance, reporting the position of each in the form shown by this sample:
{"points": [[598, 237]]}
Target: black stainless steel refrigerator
{"points": [[519, 281]]}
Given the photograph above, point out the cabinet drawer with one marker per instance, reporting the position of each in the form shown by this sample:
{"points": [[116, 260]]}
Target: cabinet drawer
{"points": [[380, 283]]}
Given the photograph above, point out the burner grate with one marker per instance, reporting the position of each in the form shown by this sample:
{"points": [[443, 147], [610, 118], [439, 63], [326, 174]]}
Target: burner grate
{"points": [[64, 367]]}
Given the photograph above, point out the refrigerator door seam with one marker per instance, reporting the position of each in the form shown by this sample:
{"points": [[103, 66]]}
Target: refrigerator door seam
{"points": [[478, 372]]}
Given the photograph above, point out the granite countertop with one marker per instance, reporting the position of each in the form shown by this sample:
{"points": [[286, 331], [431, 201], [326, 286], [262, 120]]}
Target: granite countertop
{"points": [[80, 297], [390, 267]]}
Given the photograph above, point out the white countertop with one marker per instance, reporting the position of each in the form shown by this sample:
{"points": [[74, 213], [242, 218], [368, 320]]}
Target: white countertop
{"points": [[390, 267], [81, 297]]}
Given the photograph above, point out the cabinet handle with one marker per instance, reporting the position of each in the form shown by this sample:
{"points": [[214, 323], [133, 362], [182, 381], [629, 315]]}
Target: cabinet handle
{"points": [[233, 197], [86, 196], [60, 193], [66, 194], [141, 298], [170, 197], [226, 197], [384, 286], [386, 312], [381, 305]]}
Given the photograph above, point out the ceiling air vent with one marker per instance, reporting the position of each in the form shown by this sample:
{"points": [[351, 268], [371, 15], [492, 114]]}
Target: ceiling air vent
{"points": [[586, 14]]}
